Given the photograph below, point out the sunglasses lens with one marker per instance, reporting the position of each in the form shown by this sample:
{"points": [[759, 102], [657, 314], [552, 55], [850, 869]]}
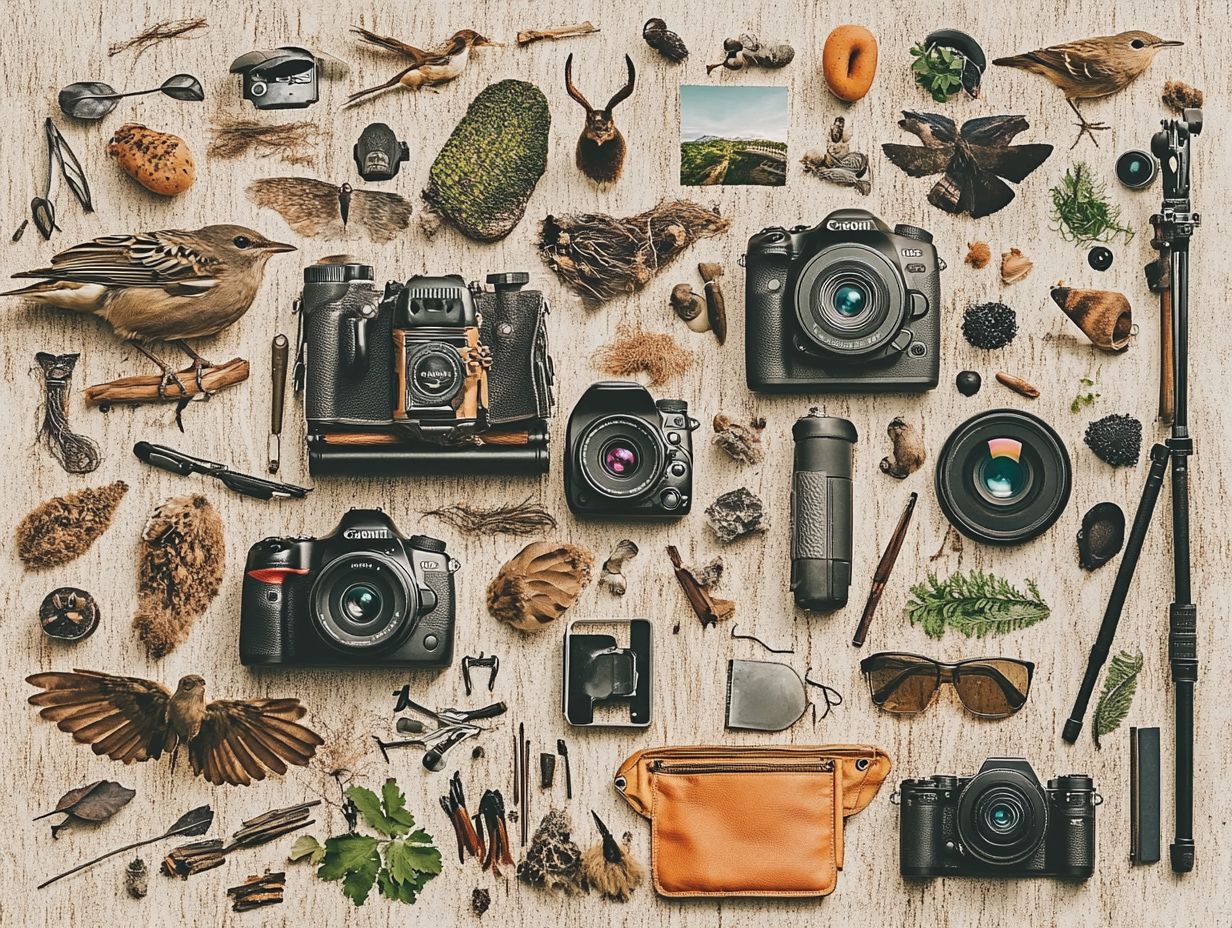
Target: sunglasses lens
{"points": [[992, 688], [901, 683]]}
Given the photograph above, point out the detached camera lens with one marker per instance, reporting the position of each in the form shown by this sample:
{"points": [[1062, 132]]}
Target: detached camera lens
{"points": [[1002, 817], [1003, 477], [1136, 169]]}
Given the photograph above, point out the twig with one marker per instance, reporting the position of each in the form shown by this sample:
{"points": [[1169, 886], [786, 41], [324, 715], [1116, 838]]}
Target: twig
{"points": [[144, 388], [526, 36], [159, 32]]}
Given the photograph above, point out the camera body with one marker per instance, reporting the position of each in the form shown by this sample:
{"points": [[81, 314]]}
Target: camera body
{"points": [[364, 595], [628, 455], [285, 78], [999, 823], [430, 374], [844, 306]]}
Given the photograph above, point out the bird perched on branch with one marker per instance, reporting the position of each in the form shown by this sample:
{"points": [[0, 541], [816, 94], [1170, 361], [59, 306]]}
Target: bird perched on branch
{"points": [[1092, 68], [428, 67], [130, 719], [159, 286]]}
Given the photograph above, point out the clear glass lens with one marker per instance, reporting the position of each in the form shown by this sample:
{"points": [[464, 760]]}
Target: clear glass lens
{"points": [[1001, 473], [850, 300], [361, 603], [620, 459]]}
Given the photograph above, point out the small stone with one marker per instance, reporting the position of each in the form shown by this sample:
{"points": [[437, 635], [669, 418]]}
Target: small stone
{"points": [[735, 514], [1100, 258], [968, 382], [1102, 535], [481, 899]]}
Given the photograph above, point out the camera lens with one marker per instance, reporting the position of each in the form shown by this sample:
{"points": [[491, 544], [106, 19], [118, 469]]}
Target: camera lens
{"points": [[1002, 817], [361, 603], [850, 301], [621, 457], [434, 374], [364, 602], [1003, 477], [1135, 169]]}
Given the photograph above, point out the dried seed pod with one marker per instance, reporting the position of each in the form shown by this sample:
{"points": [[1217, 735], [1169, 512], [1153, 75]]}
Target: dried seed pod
{"points": [[68, 614], [1018, 385], [159, 161], [1179, 96], [978, 255], [1015, 266], [136, 878], [1104, 316], [1102, 535], [539, 584], [908, 450], [63, 528]]}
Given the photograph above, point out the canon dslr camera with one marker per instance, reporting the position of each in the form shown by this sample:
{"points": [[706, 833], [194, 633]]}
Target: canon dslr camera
{"points": [[628, 456], [999, 823], [845, 306], [364, 595], [430, 374]]}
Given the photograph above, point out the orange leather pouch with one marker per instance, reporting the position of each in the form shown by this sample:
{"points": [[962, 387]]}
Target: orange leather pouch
{"points": [[749, 821]]}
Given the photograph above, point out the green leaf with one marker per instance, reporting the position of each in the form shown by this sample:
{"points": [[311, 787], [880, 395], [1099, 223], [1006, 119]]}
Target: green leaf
{"points": [[346, 853], [1120, 684], [306, 846], [405, 860], [976, 604], [394, 804], [373, 812], [358, 882]]}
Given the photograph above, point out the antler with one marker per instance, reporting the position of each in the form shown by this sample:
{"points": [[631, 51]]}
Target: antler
{"points": [[624, 92], [573, 91]]}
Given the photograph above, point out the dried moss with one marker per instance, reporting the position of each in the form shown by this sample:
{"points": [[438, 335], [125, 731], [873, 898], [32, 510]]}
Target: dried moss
{"points": [[63, 528]]}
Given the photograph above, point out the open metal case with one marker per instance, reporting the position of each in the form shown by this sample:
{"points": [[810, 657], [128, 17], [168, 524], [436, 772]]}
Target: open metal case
{"points": [[599, 671]]}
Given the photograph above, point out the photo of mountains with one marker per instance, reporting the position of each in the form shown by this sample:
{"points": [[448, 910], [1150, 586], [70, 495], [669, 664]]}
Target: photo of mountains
{"points": [[733, 136]]}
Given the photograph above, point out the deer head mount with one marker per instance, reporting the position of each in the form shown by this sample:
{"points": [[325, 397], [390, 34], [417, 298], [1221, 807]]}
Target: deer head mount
{"points": [[600, 148]]}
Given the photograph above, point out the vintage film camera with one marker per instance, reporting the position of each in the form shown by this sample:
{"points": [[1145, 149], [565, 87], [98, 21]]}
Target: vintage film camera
{"points": [[628, 455], [999, 823], [284, 78], [846, 306], [431, 375], [362, 596]]}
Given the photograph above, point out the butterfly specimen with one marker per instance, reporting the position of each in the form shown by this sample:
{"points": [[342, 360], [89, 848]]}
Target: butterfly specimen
{"points": [[318, 209], [130, 719], [973, 159]]}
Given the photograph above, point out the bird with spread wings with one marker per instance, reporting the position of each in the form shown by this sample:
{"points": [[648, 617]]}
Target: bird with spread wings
{"points": [[130, 719]]}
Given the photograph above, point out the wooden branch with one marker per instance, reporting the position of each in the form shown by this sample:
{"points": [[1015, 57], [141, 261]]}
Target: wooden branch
{"points": [[526, 36], [143, 388], [716, 306]]}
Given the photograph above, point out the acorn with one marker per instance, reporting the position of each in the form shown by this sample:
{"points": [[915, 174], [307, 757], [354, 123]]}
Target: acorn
{"points": [[160, 162]]}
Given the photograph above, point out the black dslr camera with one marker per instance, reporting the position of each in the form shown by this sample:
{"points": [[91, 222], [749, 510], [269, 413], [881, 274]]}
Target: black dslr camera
{"points": [[628, 456], [434, 374], [999, 823], [364, 595], [846, 306]]}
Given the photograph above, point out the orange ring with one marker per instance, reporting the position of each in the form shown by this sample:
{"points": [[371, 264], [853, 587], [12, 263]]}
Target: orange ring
{"points": [[849, 61]]}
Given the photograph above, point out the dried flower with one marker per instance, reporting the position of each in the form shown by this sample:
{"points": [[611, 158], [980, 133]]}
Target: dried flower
{"points": [[978, 255]]}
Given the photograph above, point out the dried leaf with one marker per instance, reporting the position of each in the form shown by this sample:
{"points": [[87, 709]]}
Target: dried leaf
{"points": [[192, 823], [183, 87], [94, 802], [70, 168], [88, 100]]}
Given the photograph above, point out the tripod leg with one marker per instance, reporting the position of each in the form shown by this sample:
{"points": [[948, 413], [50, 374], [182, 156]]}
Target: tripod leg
{"points": [[1183, 660]]}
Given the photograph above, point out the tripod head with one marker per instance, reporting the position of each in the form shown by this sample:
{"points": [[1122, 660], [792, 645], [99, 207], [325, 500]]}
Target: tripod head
{"points": [[1171, 146]]}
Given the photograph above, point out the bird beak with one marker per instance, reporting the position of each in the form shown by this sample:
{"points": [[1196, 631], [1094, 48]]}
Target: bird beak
{"points": [[279, 247], [1168, 43], [487, 43]]}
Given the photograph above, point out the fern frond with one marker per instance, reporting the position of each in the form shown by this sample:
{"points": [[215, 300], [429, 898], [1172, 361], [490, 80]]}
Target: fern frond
{"points": [[1120, 684], [976, 604]]}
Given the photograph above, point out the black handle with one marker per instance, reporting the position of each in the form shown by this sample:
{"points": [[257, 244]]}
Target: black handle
{"points": [[487, 712], [434, 757]]}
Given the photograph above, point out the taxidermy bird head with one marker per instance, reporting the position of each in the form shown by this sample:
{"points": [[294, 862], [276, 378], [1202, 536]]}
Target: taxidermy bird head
{"points": [[601, 147]]}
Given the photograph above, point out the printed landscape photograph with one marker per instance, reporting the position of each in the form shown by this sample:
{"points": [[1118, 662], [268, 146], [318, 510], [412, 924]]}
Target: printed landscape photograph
{"points": [[733, 136]]}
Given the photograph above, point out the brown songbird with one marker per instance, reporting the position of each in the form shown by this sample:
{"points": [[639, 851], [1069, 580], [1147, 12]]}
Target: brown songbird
{"points": [[428, 67], [159, 286], [130, 719], [1092, 68]]}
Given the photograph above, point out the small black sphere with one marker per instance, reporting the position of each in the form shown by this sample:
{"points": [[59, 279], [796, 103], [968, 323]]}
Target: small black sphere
{"points": [[1100, 258], [968, 382]]}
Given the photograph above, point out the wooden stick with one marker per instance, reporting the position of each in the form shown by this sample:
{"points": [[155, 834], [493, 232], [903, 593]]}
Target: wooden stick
{"points": [[526, 36], [143, 388], [1018, 385], [716, 306]]}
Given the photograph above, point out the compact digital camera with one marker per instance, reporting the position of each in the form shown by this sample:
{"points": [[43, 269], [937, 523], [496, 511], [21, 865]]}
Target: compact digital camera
{"points": [[999, 823], [364, 595], [434, 373], [628, 456], [846, 306]]}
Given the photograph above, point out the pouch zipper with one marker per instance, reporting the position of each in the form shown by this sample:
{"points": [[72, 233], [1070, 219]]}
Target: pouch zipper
{"points": [[825, 766]]}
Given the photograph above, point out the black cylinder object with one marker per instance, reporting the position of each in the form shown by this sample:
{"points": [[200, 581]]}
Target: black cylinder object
{"points": [[821, 511], [356, 460]]}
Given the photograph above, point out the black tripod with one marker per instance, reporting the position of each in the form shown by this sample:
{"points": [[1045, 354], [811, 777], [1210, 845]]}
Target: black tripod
{"points": [[1174, 225]]}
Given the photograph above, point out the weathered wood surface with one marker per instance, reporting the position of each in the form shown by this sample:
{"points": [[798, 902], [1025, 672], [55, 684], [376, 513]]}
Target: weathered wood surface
{"points": [[50, 44]]}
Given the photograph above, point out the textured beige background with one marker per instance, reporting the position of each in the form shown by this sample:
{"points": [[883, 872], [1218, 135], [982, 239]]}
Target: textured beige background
{"points": [[50, 44]]}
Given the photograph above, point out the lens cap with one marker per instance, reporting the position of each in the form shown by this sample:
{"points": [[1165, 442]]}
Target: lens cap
{"points": [[1003, 477], [1136, 169]]}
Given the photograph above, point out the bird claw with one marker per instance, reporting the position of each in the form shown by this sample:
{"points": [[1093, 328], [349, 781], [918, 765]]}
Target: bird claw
{"points": [[1089, 129], [170, 377]]}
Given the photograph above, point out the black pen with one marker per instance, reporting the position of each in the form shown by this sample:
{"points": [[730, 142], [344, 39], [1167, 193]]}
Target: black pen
{"points": [[184, 464]]}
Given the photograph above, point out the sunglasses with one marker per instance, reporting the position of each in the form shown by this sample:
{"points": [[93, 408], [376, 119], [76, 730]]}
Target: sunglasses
{"points": [[905, 684]]}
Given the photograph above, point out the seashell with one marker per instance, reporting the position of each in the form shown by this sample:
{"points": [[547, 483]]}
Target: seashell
{"points": [[539, 584], [1015, 266], [691, 307], [160, 162], [1102, 535], [1104, 316], [979, 254]]}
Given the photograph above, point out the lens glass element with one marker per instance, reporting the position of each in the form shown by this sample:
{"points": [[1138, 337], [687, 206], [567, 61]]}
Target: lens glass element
{"points": [[1002, 472], [364, 601], [619, 458], [361, 603], [850, 299], [1002, 817]]}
